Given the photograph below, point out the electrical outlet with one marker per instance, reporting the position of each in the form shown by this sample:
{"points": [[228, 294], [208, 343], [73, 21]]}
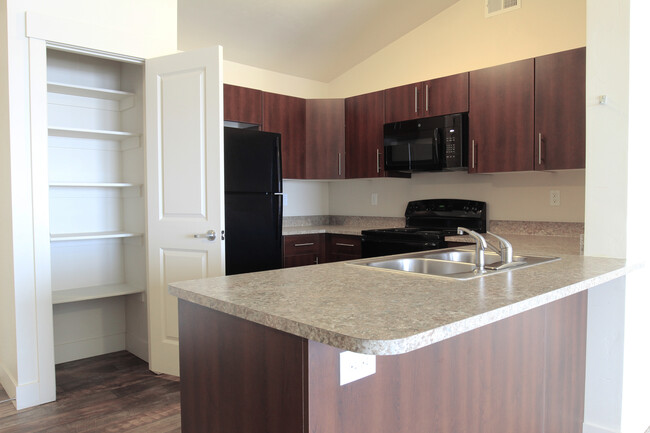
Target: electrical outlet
{"points": [[555, 197], [355, 366], [285, 199], [373, 198]]}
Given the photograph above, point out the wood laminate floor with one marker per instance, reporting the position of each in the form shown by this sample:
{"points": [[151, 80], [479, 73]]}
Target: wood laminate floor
{"points": [[108, 393]]}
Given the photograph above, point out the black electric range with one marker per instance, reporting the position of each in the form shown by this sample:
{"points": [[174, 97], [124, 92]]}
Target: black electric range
{"points": [[427, 224]]}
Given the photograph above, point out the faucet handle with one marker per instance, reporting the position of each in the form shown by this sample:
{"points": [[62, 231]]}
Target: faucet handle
{"points": [[505, 248]]}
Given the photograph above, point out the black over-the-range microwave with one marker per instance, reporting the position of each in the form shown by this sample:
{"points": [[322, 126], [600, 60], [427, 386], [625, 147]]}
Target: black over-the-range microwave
{"points": [[430, 144]]}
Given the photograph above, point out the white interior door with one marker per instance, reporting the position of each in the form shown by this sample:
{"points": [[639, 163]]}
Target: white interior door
{"points": [[184, 119]]}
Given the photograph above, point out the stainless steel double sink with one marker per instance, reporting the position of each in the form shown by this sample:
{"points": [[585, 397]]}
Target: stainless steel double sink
{"points": [[452, 263]]}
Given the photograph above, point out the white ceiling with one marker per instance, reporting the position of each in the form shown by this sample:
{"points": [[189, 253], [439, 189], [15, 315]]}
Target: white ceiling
{"points": [[315, 39]]}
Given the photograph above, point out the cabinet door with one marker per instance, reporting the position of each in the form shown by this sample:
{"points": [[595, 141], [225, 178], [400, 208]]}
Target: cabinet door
{"points": [[404, 102], [325, 153], [560, 110], [364, 135], [184, 191], [241, 104], [446, 95], [286, 116], [501, 118]]}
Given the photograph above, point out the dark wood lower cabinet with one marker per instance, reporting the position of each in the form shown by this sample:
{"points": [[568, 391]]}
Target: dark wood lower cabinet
{"points": [[521, 374]]}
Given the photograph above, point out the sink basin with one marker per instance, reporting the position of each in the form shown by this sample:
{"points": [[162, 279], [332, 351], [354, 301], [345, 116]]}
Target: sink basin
{"points": [[469, 256], [425, 266], [457, 264]]}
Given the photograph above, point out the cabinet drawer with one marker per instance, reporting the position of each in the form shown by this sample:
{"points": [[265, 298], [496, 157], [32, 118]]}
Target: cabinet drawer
{"points": [[343, 247], [301, 244]]}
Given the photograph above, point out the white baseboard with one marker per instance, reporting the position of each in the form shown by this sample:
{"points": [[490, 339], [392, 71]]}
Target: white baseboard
{"points": [[137, 346], [74, 350], [7, 382], [591, 428]]}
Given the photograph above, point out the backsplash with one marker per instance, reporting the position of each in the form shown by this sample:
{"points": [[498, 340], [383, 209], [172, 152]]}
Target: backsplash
{"points": [[343, 220], [537, 228]]}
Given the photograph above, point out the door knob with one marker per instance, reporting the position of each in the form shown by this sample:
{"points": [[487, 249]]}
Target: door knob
{"points": [[209, 235]]}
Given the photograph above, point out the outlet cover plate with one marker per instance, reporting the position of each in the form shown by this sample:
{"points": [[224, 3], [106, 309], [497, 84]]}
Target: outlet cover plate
{"points": [[355, 366]]}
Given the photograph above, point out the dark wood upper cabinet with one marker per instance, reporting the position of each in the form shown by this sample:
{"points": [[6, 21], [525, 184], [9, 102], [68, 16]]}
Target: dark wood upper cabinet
{"points": [[325, 152], [446, 95], [404, 102], [364, 135], [241, 104], [286, 116], [436, 97], [560, 110], [501, 118]]}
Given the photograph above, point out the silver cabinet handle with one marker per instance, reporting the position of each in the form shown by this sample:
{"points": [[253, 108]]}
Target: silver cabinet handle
{"points": [[426, 99], [306, 244], [539, 149], [377, 160], [474, 154], [416, 99], [339, 244], [209, 235], [339, 163]]}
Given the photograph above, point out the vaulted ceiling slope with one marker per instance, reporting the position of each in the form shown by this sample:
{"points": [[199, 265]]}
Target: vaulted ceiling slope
{"points": [[315, 39]]}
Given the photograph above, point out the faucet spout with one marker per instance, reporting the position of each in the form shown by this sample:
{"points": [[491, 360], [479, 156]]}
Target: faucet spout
{"points": [[481, 246]]}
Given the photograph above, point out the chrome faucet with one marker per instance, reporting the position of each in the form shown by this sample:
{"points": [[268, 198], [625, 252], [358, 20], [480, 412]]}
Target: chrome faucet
{"points": [[504, 249], [481, 246]]}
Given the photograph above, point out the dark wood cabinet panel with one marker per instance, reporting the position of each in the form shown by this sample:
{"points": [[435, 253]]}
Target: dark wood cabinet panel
{"points": [[241, 104], [446, 95], [501, 118], [436, 97], [560, 110], [566, 328], [238, 376], [495, 379], [524, 373], [343, 247], [404, 102], [364, 135], [325, 129], [286, 116], [302, 250]]}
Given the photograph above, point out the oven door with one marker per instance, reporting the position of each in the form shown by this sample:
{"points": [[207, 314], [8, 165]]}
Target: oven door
{"points": [[375, 247]]}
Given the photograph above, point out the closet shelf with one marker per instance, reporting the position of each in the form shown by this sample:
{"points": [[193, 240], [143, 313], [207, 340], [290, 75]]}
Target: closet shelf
{"points": [[99, 134], [94, 184], [94, 292], [59, 237], [89, 92]]}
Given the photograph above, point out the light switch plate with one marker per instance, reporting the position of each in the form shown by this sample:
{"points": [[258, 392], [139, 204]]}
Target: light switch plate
{"points": [[355, 366]]}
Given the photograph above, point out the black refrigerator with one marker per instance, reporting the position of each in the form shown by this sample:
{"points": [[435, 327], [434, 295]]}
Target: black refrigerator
{"points": [[253, 199]]}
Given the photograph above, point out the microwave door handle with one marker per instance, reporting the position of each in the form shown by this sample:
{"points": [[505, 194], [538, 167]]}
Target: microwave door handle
{"points": [[436, 147], [410, 156]]}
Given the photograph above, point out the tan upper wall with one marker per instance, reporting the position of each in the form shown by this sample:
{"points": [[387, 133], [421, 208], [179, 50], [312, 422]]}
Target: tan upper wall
{"points": [[457, 40]]}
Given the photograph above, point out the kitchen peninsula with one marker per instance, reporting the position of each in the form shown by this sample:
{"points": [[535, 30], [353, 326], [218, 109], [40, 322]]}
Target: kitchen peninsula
{"points": [[503, 353]]}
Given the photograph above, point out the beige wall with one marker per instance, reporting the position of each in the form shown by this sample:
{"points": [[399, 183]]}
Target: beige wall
{"points": [[460, 33], [462, 39]]}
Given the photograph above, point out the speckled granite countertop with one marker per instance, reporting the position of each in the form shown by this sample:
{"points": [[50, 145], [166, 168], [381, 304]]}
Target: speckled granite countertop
{"points": [[384, 312], [329, 228]]}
